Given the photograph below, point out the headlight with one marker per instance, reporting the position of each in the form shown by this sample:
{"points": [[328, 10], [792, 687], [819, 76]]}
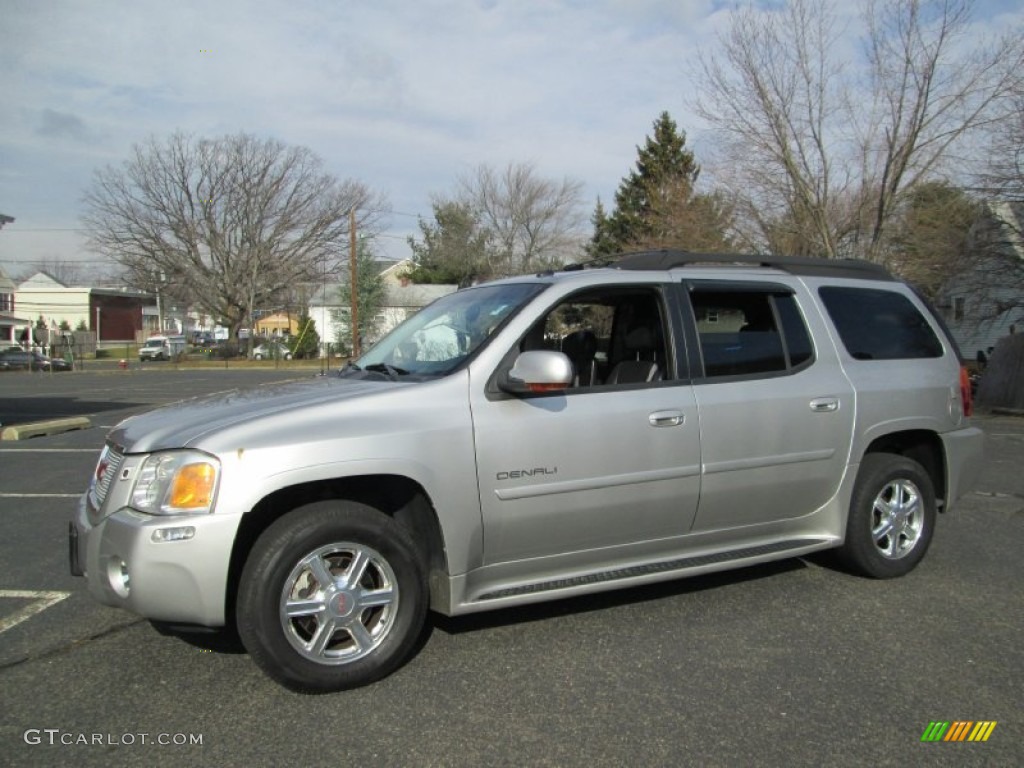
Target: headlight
{"points": [[176, 483]]}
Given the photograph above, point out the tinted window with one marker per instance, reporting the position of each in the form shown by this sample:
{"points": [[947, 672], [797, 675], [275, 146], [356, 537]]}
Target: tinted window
{"points": [[879, 325], [749, 332]]}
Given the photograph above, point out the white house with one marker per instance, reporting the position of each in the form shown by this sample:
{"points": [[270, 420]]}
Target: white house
{"points": [[985, 302], [114, 314]]}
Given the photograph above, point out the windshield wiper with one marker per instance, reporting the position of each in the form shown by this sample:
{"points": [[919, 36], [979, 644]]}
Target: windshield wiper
{"points": [[392, 372], [350, 367]]}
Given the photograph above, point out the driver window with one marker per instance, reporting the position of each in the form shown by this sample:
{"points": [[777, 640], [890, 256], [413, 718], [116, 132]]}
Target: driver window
{"points": [[612, 337]]}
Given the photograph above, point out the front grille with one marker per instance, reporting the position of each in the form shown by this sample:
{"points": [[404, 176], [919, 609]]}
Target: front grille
{"points": [[106, 470]]}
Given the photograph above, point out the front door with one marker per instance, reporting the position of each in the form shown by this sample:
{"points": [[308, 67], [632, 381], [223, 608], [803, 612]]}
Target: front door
{"points": [[612, 462]]}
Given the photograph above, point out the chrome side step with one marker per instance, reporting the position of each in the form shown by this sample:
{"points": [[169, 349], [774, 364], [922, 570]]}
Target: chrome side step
{"points": [[651, 568]]}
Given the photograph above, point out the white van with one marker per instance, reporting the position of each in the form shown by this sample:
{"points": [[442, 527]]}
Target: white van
{"points": [[162, 348]]}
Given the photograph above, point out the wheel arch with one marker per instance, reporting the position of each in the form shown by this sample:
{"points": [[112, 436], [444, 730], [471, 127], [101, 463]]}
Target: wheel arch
{"points": [[397, 496], [920, 445]]}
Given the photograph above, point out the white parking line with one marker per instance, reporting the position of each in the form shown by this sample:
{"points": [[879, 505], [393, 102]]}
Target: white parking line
{"points": [[42, 601]]}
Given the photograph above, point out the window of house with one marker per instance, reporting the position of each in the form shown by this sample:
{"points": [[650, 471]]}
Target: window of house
{"points": [[958, 308], [754, 332]]}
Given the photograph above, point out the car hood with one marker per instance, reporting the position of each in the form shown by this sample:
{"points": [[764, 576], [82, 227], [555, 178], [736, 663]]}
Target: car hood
{"points": [[186, 423]]}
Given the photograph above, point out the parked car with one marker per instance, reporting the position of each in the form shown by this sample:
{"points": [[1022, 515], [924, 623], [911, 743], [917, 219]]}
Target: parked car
{"points": [[272, 350], [562, 434], [20, 360], [162, 348]]}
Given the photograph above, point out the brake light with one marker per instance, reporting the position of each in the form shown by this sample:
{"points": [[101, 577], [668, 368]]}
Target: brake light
{"points": [[966, 399]]}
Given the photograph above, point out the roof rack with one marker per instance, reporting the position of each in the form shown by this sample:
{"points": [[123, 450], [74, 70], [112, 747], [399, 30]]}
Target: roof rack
{"points": [[795, 265]]}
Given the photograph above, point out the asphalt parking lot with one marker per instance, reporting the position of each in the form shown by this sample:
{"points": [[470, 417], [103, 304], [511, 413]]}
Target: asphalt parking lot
{"points": [[791, 664]]}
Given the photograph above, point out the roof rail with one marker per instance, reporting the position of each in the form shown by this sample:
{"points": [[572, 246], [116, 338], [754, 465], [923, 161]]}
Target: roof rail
{"points": [[796, 265]]}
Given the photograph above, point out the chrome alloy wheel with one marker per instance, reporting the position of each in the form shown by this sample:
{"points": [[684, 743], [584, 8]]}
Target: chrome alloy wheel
{"points": [[339, 603], [897, 519]]}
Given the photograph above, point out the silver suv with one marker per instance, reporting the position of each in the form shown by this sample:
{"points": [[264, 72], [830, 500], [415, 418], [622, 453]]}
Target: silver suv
{"points": [[536, 438]]}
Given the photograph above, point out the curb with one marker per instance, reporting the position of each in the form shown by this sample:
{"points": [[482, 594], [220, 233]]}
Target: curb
{"points": [[1006, 411], [40, 428]]}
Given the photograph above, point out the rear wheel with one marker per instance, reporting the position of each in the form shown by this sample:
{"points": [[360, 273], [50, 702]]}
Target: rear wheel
{"points": [[892, 517], [333, 596]]}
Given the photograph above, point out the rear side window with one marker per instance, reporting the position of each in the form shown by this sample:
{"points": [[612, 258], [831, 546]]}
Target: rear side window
{"points": [[749, 332], [879, 325]]}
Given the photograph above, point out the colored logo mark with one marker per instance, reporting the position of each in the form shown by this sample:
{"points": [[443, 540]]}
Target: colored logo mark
{"points": [[958, 730]]}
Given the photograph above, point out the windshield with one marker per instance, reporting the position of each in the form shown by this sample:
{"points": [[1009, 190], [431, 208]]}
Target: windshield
{"points": [[154, 343], [440, 337]]}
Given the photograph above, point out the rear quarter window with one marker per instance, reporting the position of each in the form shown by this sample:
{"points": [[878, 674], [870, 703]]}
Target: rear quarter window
{"points": [[876, 324]]}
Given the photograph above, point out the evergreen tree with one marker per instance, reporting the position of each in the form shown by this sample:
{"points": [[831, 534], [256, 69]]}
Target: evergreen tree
{"points": [[665, 169], [455, 247], [602, 246], [370, 295], [307, 343], [929, 241]]}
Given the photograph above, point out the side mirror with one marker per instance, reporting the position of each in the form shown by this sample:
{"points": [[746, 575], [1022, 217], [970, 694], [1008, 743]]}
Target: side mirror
{"points": [[537, 371]]}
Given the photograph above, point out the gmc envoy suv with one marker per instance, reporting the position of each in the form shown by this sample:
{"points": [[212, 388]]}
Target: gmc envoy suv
{"points": [[535, 438]]}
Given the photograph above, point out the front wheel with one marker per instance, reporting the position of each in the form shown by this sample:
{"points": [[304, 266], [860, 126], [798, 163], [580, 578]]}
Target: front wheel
{"points": [[332, 596], [892, 517]]}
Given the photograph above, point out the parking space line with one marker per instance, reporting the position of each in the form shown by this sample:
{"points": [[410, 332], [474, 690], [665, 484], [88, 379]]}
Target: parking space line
{"points": [[42, 601]]}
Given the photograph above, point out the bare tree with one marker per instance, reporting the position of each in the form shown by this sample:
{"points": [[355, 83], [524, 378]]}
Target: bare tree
{"points": [[535, 222], [62, 270], [813, 151], [226, 223], [1003, 175], [991, 276]]}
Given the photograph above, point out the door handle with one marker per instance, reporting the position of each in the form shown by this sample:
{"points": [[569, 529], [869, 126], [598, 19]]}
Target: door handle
{"points": [[825, 405], [666, 418]]}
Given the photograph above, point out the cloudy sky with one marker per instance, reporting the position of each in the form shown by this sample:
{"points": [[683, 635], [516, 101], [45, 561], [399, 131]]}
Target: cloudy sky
{"points": [[403, 95]]}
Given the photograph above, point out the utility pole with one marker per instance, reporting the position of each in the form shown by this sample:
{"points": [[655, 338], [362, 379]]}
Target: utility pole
{"points": [[354, 314]]}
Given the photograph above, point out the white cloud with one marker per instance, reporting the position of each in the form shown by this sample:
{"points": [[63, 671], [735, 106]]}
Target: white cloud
{"points": [[401, 95]]}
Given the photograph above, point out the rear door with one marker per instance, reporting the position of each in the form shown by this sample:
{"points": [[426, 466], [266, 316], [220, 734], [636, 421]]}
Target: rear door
{"points": [[776, 411]]}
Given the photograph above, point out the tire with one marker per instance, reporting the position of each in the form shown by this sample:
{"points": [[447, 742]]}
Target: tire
{"points": [[892, 517], [340, 633]]}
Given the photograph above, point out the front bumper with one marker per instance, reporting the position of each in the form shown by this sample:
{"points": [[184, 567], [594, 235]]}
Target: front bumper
{"points": [[178, 581]]}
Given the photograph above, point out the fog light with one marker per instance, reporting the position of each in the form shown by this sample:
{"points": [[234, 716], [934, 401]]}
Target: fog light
{"points": [[182, 533], [117, 576]]}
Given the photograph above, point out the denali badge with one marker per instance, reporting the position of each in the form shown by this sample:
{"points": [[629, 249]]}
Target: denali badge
{"points": [[513, 474]]}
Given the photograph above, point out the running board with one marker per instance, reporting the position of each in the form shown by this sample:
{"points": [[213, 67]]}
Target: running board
{"points": [[651, 568]]}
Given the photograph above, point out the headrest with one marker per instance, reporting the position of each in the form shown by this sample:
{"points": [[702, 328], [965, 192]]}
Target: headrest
{"points": [[639, 338]]}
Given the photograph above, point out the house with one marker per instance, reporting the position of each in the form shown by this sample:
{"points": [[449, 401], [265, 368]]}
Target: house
{"points": [[329, 304], [985, 301], [114, 314], [11, 325], [277, 324]]}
